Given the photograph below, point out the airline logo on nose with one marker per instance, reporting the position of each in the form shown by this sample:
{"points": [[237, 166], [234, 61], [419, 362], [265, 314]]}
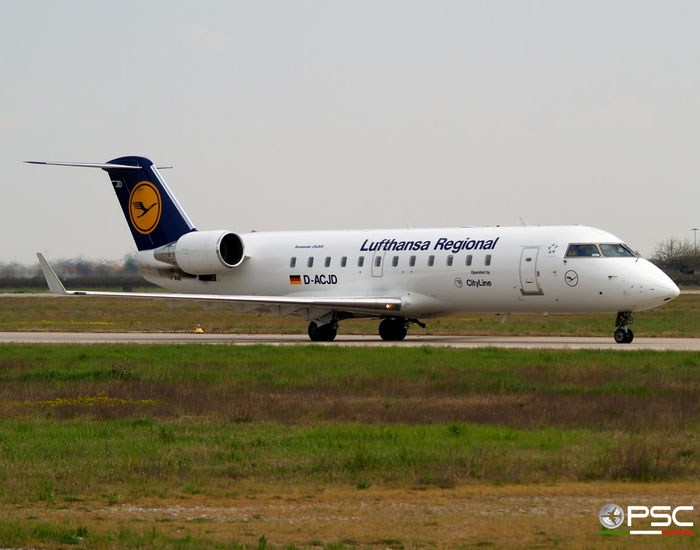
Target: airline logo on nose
{"points": [[145, 207]]}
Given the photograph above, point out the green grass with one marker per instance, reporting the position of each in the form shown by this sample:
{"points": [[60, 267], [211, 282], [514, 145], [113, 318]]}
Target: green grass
{"points": [[484, 369], [129, 421], [85, 430], [517, 388], [51, 461], [60, 535], [681, 317]]}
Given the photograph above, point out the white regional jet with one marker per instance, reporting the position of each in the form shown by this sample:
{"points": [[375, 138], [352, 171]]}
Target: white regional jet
{"points": [[396, 275]]}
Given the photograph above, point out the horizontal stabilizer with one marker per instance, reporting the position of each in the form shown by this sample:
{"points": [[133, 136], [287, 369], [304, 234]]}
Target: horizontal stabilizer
{"points": [[86, 164], [153, 215]]}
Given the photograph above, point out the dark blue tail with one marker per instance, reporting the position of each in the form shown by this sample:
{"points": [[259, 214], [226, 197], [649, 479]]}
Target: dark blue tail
{"points": [[152, 212]]}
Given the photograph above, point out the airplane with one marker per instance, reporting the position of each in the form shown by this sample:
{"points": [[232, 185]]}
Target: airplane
{"points": [[398, 276]]}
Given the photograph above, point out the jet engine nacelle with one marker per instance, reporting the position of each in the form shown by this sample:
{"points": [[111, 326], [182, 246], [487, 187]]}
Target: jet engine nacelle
{"points": [[203, 252]]}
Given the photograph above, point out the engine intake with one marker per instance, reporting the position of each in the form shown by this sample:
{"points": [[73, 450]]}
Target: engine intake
{"points": [[203, 252]]}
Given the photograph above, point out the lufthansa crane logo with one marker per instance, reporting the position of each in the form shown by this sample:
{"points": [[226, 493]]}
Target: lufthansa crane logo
{"points": [[145, 207], [571, 277]]}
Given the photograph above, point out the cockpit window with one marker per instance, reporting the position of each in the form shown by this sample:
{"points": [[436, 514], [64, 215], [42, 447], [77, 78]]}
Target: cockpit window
{"points": [[579, 250], [616, 250]]}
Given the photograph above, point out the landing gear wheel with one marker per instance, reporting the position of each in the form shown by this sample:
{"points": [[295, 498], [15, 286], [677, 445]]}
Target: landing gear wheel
{"points": [[322, 333], [393, 330], [624, 336]]}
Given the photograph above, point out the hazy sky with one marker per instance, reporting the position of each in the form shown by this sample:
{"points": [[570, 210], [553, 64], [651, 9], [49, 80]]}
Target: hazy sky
{"points": [[320, 115]]}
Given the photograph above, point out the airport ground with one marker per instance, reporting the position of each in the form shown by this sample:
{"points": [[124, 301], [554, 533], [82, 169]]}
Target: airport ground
{"points": [[357, 340], [191, 446], [43, 312]]}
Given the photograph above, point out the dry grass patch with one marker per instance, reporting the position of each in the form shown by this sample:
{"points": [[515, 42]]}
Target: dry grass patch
{"points": [[278, 516]]}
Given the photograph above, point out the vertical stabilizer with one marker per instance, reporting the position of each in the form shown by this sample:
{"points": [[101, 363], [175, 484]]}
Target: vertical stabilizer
{"points": [[152, 212]]}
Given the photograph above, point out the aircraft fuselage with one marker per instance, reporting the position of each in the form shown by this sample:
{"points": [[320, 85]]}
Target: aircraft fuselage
{"points": [[437, 271]]}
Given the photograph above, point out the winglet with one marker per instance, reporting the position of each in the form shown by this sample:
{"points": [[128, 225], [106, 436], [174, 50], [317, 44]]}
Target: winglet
{"points": [[52, 280]]}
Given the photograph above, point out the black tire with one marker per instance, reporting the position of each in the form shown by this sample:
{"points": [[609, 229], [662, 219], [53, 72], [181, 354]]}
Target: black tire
{"points": [[393, 330], [315, 333], [330, 332], [621, 336], [322, 333], [385, 332], [629, 337]]}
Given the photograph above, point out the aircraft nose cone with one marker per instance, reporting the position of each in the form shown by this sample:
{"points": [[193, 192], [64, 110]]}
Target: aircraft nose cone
{"points": [[665, 290], [673, 291], [656, 288]]}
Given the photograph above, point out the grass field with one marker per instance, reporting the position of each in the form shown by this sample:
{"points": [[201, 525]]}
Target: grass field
{"points": [[679, 318], [216, 446]]}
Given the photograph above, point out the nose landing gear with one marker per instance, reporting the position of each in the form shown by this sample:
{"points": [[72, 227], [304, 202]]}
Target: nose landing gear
{"points": [[623, 334]]}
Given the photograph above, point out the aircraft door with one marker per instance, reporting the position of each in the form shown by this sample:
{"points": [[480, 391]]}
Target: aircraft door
{"points": [[529, 276], [378, 263]]}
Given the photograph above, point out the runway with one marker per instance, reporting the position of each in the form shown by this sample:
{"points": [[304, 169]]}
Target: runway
{"points": [[515, 342]]}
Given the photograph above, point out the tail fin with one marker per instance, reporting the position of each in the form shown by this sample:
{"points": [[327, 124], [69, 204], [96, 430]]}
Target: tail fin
{"points": [[152, 212]]}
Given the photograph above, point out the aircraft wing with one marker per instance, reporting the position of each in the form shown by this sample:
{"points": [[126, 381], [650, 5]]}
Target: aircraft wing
{"points": [[281, 305]]}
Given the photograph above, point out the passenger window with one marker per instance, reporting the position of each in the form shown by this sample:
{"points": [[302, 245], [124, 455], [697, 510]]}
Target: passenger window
{"points": [[431, 260], [581, 250], [469, 259], [488, 259], [360, 261], [450, 259], [412, 261], [395, 261], [327, 263], [343, 261], [293, 262], [616, 250], [310, 262], [378, 261]]}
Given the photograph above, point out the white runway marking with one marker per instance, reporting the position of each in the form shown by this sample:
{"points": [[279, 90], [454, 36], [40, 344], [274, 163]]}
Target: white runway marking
{"points": [[518, 342]]}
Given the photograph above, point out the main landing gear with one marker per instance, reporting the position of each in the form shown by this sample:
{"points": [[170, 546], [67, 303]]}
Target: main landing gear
{"points": [[391, 329], [395, 329], [624, 334], [323, 333]]}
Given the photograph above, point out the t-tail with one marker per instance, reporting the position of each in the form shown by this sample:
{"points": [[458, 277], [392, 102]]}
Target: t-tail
{"points": [[153, 214]]}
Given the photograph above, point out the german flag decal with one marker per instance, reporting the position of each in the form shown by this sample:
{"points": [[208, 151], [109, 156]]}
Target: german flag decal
{"points": [[295, 279]]}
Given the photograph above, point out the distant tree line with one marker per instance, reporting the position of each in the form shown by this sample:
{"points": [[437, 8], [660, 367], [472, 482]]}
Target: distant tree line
{"points": [[679, 260], [76, 273]]}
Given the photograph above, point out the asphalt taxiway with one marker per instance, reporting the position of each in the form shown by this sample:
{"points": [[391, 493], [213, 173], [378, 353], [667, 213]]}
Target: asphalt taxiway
{"points": [[521, 342]]}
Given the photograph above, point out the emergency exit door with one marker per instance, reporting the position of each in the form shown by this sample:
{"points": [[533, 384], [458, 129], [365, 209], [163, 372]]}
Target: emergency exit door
{"points": [[378, 263]]}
